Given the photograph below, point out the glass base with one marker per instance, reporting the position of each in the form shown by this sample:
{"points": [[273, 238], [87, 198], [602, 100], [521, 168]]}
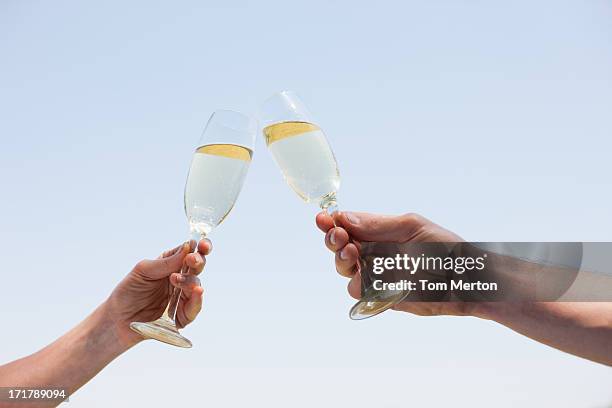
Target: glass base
{"points": [[162, 330], [375, 303]]}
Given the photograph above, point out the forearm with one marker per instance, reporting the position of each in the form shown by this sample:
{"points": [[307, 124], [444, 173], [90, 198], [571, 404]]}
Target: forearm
{"points": [[580, 328], [71, 360]]}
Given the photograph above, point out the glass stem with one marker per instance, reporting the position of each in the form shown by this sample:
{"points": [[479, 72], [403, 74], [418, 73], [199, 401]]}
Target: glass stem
{"points": [[329, 204], [175, 297]]}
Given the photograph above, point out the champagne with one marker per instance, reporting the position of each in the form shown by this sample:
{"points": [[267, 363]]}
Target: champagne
{"points": [[307, 162], [215, 178]]}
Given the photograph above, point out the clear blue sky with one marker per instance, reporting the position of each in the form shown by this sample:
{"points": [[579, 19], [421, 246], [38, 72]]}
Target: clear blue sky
{"points": [[493, 119]]}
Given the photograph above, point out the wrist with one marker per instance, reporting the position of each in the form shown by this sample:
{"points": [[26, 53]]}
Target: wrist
{"points": [[499, 312], [119, 331]]}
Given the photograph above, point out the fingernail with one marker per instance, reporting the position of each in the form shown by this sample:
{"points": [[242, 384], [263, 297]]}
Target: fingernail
{"points": [[352, 218], [332, 237], [209, 244], [343, 255], [181, 278]]}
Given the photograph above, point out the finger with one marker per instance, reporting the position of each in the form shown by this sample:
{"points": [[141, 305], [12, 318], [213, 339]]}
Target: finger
{"points": [[190, 309], [171, 252], [195, 263], [324, 221], [185, 282], [205, 246], [162, 267], [346, 260], [374, 227], [336, 239], [354, 286]]}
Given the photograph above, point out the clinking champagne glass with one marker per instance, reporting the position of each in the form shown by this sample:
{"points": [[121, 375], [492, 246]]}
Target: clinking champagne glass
{"points": [[309, 166], [218, 169]]}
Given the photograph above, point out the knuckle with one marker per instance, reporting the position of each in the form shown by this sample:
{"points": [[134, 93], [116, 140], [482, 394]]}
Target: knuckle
{"points": [[412, 224], [140, 267], [411, 219], [374, 223], [166, 262], [345, 272]]}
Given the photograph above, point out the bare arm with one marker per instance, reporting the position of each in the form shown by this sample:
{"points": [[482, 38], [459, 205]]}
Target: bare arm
{"points": [[76, 357], [580, 328], [70, 361]]}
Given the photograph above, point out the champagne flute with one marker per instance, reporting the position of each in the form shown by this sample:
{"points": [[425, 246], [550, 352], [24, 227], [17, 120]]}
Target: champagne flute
{"points": [[218, 169], [309, 166]]}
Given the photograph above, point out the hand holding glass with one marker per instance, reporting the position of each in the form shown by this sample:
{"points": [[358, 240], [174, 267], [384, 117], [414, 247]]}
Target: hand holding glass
{"points": [[218, 169], [309, 166]]}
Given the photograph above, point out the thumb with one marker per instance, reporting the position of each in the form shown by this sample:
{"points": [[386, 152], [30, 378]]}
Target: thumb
{"points": [[162, 267], [382, 228]]}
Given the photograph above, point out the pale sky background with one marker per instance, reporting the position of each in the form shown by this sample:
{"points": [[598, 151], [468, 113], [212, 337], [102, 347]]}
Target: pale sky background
{"points": [[493, 119]]}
